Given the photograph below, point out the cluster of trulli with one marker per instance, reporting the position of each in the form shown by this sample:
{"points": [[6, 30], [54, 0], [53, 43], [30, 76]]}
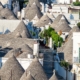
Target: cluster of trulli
{"points": [[19, 40], [5, 13], [45, 20], [61, 23], [12, 70], [33, 9]]}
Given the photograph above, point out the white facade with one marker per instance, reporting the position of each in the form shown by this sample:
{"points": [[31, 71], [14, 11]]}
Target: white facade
{"points": [[4, 1], [76, 54], [76, 47], [62, 1], [25, 62], [60, 9], [10, 25]]}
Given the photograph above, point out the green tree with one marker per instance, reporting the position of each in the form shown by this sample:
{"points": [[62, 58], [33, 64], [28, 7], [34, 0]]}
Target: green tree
{"points": [[77, 3], [32, 33], [50, 32], [78, 24], [64, 64]]}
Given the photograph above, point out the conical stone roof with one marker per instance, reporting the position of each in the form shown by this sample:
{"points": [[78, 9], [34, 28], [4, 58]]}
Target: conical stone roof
{"points": [[36, 71], [74, 29], [7, 14], [26, 50], [11, 70], [29, 77], [57, 19], [68, 50], [15, 52], [21, 31], [36, 1], [45, 20], [32, 12], [63, 26], [51, 16]]}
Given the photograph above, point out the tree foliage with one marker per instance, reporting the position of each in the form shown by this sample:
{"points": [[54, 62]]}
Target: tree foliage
{"points": [[77, 3], [50, 32], [64, 64], [78, 24], [32, 33]]}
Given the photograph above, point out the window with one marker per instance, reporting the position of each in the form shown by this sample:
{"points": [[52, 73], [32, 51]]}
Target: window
{"points": [[75, 59], [71, 17]]}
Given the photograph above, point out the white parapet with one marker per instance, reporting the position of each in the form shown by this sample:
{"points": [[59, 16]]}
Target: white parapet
{"points": [[18, 14], [50, 43], [23, 13], [36, 49]]}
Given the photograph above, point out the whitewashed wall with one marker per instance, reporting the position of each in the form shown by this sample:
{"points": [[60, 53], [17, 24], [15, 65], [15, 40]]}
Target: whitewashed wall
{"points": [[4, 1], [64, 1], [76, 46], [60, 9], [11, 25], [24, 62], [8, 24]]}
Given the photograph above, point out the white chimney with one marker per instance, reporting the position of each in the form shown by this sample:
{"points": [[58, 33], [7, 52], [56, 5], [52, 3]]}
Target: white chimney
{"points": [[30, 56], [43, 9], [18, 14], [46, 26], [50, 43], [23, 13], [36, 49]]}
